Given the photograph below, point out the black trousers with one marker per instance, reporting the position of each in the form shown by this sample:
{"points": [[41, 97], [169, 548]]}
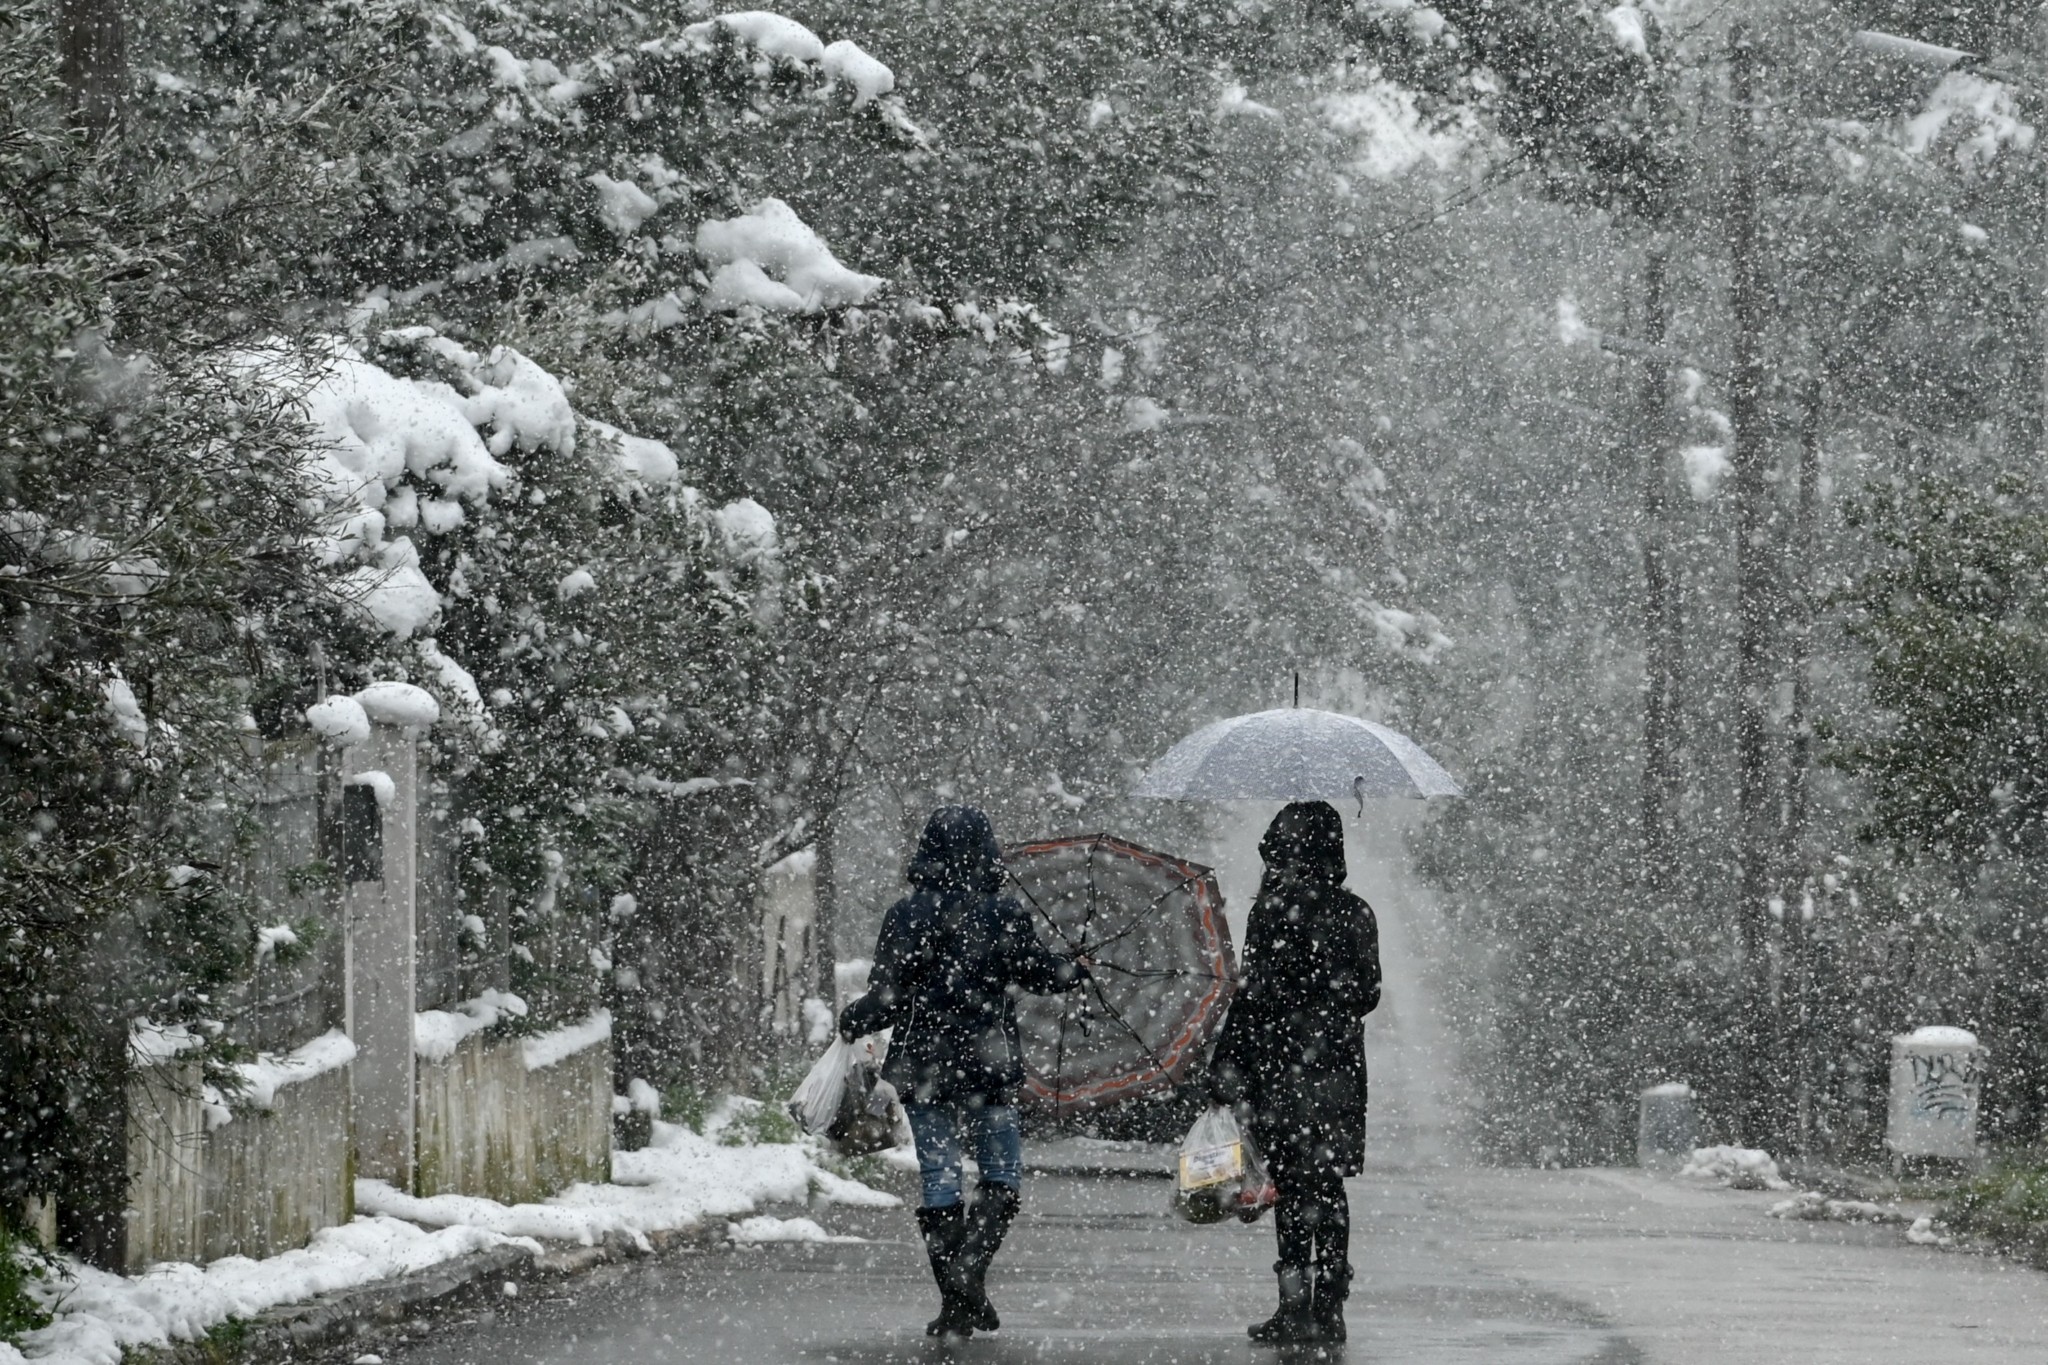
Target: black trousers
{"points": [[1313, 1217]]}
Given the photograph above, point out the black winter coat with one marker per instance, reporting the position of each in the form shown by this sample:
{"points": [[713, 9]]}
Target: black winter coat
{"points": [[1293, 1046], [947, 955]]}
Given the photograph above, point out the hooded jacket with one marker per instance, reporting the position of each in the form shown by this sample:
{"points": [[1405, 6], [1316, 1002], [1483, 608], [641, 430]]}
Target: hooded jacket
{"points": [[1293, 1044], [944, 962]]}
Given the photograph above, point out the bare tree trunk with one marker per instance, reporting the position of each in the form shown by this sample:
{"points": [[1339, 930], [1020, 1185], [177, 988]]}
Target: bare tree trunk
{"points": [[1792, 881], [1754, 592], [92, 49], [1659, 616]]}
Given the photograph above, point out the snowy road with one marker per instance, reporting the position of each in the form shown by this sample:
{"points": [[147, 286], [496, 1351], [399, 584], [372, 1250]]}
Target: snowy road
{"points": [[1509, 1267]]}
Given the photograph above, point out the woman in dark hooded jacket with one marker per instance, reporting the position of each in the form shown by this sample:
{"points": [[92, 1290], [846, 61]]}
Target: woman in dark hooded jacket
{"points": [[944, 964], [1292, 1052]]}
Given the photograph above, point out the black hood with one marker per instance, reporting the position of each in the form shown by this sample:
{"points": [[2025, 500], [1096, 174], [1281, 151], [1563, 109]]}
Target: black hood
{"points": [[1306, 839], [958, 852]]}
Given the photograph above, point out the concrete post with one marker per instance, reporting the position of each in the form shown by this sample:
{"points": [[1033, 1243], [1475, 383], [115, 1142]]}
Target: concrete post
{"points": [[1667, 1127], [380, 917], [1937, 1076]]}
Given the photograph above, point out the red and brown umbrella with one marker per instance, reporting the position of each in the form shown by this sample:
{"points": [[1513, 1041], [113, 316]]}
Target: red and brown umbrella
{"points": [[1163, 975]]}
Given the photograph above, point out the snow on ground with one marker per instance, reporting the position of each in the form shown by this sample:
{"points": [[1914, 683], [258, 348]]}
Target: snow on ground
{"points": [[681, 1179], [98, 1315], [684, 1179], [1741, 1168]]}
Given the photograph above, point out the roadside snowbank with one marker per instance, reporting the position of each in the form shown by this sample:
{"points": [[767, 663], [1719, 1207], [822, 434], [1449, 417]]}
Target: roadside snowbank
{"points": [[1741, 1168], [684, 1179], [681, 1179], [98, 1315]]}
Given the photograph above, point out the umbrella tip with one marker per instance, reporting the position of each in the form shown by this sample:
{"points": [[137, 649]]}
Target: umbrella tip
{"points": [[1297, 687]]}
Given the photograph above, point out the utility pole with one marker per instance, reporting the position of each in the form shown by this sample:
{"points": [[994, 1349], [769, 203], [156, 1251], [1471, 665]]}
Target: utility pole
{"points": [[1754, 600], [1659, 625], [1791, 878], [92, 60]]}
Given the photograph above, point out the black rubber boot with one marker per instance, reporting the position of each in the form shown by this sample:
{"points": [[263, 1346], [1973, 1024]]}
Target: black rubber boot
{"points": [[1333, 1286], [995, 1208], [943, 1231], [1295, 1322]]}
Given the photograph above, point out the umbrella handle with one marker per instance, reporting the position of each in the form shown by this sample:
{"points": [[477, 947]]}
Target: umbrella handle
{"points": [[1358, 790]]}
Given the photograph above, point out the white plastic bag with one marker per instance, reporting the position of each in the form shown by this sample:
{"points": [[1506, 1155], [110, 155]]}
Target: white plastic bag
{"points": [[1213, 1164], [816, 1103], [845, 1100]]}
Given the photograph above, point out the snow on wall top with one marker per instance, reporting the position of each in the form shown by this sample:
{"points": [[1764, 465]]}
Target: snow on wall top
{"points": [[556, 1045], [398, 703], [1939, 1035], [341, 721], [769, 259]]}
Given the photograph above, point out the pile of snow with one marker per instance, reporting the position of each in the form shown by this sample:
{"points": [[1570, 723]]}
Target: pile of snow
{"points": [[637, 458], [770, 34], [437, 1033], [1391, 133], [681, 1179], [341, 721], [1941, 1035], [272, 937], [768, 258], [623, 205], [765, 1228], [556, 1045], [846, 64], [1810, 1207], [124, 712], [397, 703], [1741, 1168], [153, 1044], [98, 1315], [380, 783], [1625, 26], [746, 532], [1983, 113], [269, 1073]]}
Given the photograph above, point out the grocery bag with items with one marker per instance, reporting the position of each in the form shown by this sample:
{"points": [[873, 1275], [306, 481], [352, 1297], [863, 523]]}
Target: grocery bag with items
{"points": [[1219, 1172], [845, 1100]]}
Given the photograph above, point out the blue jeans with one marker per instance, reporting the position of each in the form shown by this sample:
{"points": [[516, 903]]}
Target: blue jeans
{"points": [[939, 1128]]}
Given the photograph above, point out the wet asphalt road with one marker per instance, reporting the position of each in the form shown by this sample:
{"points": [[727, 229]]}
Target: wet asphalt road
{"points": [[1096, 1270]]}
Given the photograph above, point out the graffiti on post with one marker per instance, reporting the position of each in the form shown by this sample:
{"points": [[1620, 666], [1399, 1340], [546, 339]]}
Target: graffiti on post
{"points": [[1942, 1086]]}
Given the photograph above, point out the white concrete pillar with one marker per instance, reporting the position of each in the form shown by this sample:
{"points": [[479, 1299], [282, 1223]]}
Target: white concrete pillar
{"points": [[1667, 1125], [379, 914], [1937, 1079]]}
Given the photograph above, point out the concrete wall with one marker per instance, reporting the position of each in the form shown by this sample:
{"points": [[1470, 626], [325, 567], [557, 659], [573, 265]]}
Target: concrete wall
{"points": [[488, 1126], [262, 1183]]}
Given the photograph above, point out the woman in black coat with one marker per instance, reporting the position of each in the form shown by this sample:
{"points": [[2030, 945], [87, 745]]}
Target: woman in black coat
{"points": [[1293, 1053], [944, 964]]}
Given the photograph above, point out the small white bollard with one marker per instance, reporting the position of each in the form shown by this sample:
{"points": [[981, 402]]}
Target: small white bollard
{"points": [[1937, 1076], [1667, 1125]]}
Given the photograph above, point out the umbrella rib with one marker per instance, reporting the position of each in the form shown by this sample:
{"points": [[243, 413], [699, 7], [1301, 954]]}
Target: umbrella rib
{"points": [[1059, 1056], [1139, 918]]}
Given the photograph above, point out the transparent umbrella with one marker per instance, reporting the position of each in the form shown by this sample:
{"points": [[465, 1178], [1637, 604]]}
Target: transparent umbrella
{"points": [[1153, 925], [1295, 754]]}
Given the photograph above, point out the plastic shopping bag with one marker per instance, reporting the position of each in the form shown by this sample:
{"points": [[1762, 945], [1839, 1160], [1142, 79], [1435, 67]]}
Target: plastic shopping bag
{"points": [[815, 1105], [1256, 1192], [845, 1100], [1210, 1175]]}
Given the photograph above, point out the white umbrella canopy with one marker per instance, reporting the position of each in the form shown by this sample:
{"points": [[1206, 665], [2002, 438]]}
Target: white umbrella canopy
{"points": [[1295, 754]]}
